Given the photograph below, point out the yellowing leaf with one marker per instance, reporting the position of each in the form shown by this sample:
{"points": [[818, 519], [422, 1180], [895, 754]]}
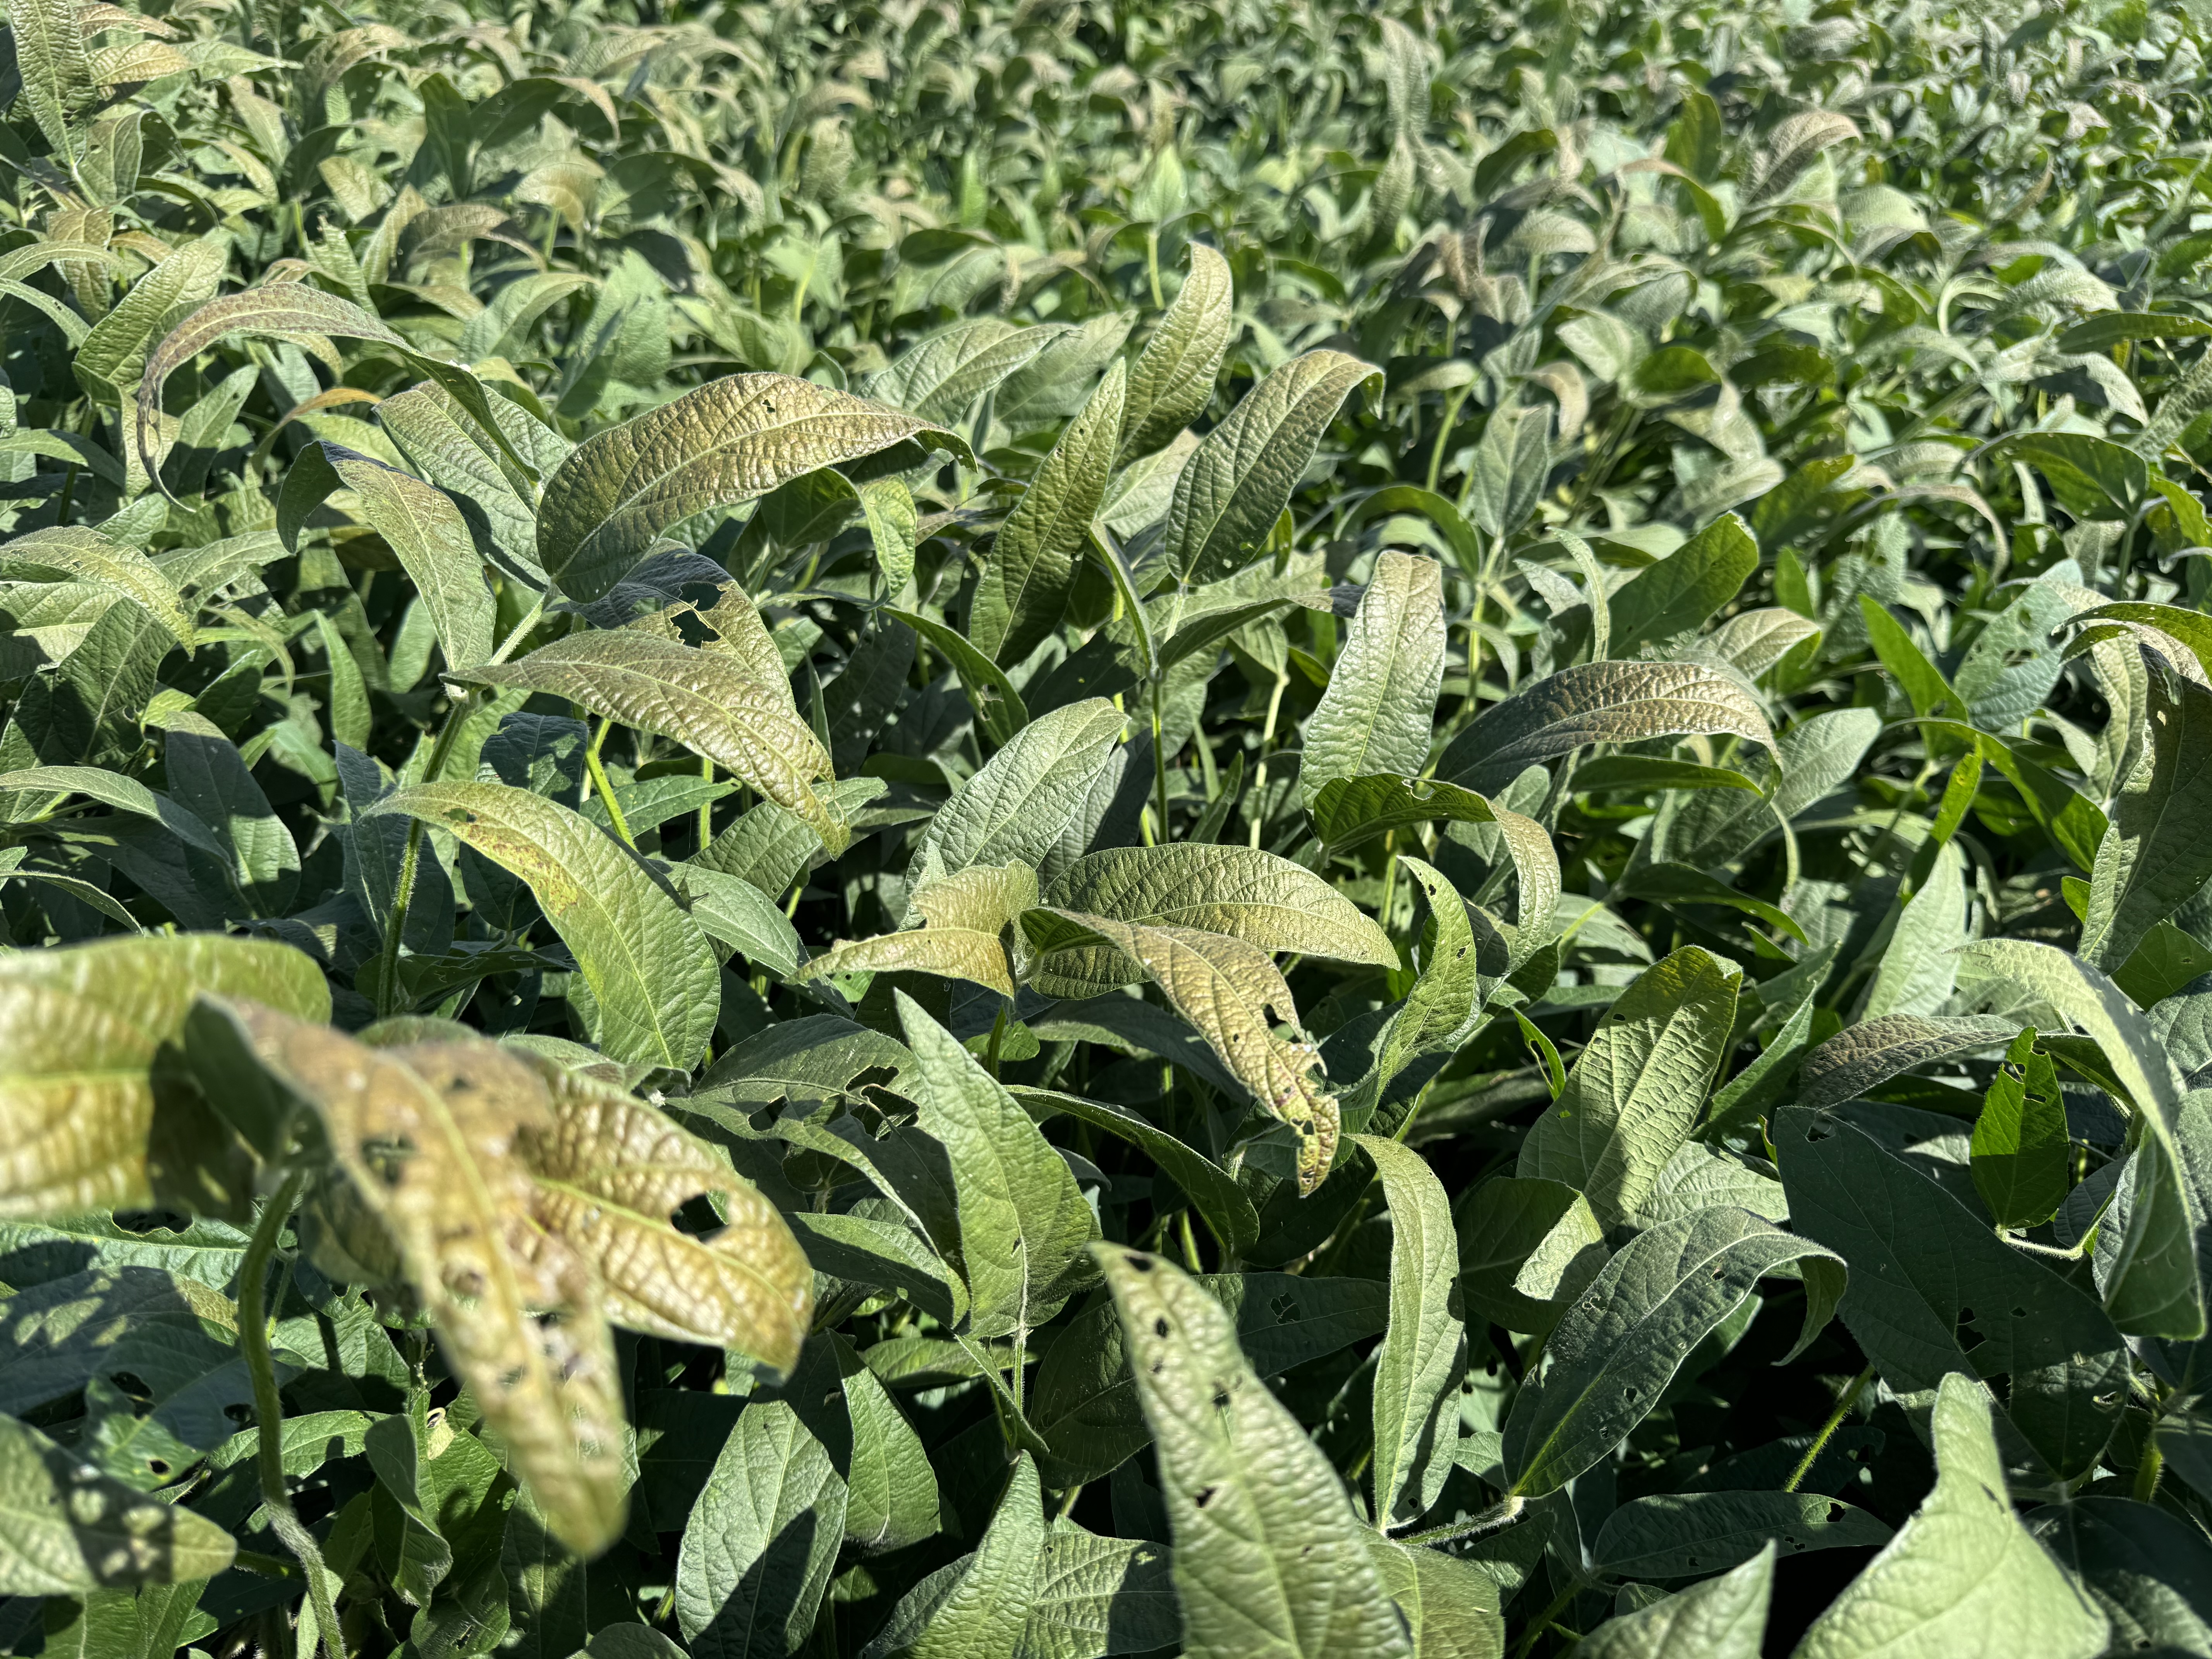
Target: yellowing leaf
{"points": [[708, 700]]}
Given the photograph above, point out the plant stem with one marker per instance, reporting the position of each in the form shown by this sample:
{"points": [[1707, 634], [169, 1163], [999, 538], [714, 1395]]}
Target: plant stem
{"points": [[1504, 1514], [1267, 749], [1443, 433], [269, 1409], [1828, 1430], [606, 790], [2152, 1465], [1542, 1622], [1159, 761], [387, 986], [706, 808]]}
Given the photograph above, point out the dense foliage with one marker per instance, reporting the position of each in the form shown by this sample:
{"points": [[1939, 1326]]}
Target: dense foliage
{"points": [[1054, 830]]}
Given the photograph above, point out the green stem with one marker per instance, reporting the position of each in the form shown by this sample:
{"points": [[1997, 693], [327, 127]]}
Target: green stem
{"points": [[1543, 1620], [1443, 433], [387, 986], [2152, 1465], [1828, 1430], [269, 1409], [1267, 749], [706, 808], [606, 790], [1159, 763], [1504, 1514]]}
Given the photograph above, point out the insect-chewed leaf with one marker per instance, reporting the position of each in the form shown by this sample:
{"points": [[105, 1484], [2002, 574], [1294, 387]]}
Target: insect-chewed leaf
{"points": [[1023, 1220], [731, 440], [708, 701], [1599, 702], [1268, 1554], [610, 1170], [1930, 1280], [1171, 382], [1962, 1576], [91, 1116], [76, 554], [1379, 711], [1234, 487], [1612, 1355], [1226, 988], [421, 525], [67, 1529], [427, 1135], [1248, 894], [653, 976], [1023, 591]]}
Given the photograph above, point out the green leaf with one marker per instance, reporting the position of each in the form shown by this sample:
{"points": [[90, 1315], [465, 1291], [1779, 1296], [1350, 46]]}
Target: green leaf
{"points": [[1685, 1534], [2020, 1149], [1933, 1290], [74, 553], [1450, 1605], [1268, 1554], [758, 1548], [1612, 1355], [732, 910], [1379, 711], [1645, 773], [1172, 379], [2093, 477], [1676, 594], [1527, 1249], [1863, 1056], [1236, 482], [704, 700], [1511, 461], [1227, 989], [65, 1529], [1212, 1191], [983, 1612], [939, 377], [1635, 1093], [966, 916], [124, 794], [729, 441], [210, 779], [1023, 588], [55, 71], [1962, 1576], [95, 1117], [1723, 1618], [653, 979], [1016, 807], [445, 445], [989, 692], [2153, 857], [2147, 1570], [1100, 1595], [1023, 1220], [424, 529], [1086, 1404], [1257, 896], [1599, 702], [1417, 1369], [1920, 964]]}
